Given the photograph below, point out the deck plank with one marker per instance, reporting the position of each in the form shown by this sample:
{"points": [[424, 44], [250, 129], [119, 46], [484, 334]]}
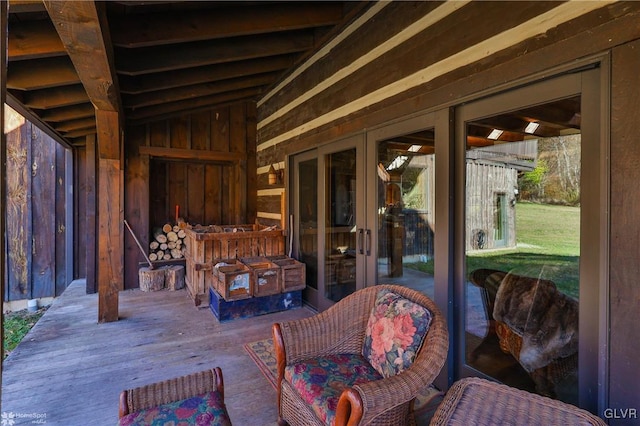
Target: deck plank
{"points": [[71, 369]]}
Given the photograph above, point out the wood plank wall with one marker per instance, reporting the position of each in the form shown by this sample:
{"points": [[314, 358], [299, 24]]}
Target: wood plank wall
{"points": [[202, 162], [436, 55], [36, 211]]}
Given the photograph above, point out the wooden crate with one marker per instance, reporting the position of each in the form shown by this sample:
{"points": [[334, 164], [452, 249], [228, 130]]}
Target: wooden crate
{"points": [[205, 244], [265, 275], [292, 273], [232, 279]]}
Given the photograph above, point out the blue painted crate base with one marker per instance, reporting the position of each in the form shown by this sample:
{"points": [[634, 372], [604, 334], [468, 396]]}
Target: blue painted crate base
{"points": [[254, 306]]}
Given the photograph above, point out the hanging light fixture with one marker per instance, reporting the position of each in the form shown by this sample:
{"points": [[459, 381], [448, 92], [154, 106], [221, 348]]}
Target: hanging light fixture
{"points": [[275, 175]]}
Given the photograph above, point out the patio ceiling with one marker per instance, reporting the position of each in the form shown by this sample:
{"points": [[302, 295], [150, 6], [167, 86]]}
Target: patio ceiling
{"points": [[150, 60]]}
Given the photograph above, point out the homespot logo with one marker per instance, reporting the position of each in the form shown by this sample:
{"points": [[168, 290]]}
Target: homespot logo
{"points": [[11, 418], [620, 413]]}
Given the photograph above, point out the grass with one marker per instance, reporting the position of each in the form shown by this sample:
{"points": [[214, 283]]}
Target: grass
{"points": [[548, 240], [17, 325]]}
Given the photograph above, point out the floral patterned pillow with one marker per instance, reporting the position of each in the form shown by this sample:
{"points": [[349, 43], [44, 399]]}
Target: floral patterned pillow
{"points": [[395, 332]]}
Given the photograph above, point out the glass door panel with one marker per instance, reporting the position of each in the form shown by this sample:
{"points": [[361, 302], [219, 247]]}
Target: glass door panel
{"points": [[340, 231], [327, 200], [522, 246], [405, 210], [306, 209]]}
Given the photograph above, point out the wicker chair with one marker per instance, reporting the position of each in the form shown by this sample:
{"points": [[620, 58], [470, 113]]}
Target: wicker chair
{"points": [[341, 330], [481, 402], [162, 394]]}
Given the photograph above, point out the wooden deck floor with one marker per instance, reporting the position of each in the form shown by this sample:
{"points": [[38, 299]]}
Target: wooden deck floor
{"points": [[70, 370]]}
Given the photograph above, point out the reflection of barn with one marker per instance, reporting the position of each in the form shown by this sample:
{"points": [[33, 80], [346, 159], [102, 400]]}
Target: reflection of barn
{"points": [[492, 174], [416, 218]]}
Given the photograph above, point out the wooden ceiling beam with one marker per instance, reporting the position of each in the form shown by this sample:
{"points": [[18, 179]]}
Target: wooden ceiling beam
{"points": [[71, 125], [84, 32], [159, 81], [55, 97], [184, 107], [197, 91], [168, 58], [137, 30], [79, 133], [38, 74], [26, 6], [34, 39], [72, 112]]}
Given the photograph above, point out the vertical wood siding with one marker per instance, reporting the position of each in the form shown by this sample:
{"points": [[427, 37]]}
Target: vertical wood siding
{"points": [[36, 208], [206, 191]]}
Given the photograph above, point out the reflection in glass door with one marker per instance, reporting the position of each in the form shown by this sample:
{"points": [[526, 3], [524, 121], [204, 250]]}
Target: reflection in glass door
{"points": [[329, 236], [406, 210], [340, 218], [306, 210], [522, 245]]}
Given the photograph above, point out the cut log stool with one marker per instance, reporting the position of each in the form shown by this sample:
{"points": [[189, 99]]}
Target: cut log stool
{"points": [[174, 277], [151, 279]]}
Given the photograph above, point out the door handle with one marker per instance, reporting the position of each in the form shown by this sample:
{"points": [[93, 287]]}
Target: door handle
{"points": [[360, 241], [368, 242]]}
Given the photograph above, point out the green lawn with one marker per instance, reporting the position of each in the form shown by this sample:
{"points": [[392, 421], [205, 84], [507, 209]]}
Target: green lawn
{"points": [[17, 325], [548, 240]]}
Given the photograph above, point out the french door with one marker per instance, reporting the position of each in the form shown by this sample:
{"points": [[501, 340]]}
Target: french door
{"points": [[330, 234], [530, 205], [402, 200], [515, 182]]}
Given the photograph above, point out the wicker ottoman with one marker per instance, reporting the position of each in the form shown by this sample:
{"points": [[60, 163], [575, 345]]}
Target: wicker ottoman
{"points": [[474, 401], [196, 398]]}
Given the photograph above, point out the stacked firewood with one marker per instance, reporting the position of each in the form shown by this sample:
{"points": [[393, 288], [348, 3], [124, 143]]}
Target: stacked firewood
{"points": [[167, 243]]}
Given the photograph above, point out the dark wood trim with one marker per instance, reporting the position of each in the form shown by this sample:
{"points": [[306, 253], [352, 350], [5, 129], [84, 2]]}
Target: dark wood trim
{"points": [[91, 241], [4, 6], [192, 155], [622, 374], [29, 115]]}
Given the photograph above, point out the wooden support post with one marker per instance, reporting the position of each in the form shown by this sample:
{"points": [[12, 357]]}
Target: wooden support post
{"points": [[91, 241], [110, 215]]}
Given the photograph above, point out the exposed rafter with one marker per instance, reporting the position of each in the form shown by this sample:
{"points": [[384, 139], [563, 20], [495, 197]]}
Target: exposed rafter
{"points": [[85, 35]]}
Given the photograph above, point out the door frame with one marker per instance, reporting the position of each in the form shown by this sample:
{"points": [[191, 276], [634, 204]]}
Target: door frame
{"points": [[441, 120], [594, 208], [315, 297]]}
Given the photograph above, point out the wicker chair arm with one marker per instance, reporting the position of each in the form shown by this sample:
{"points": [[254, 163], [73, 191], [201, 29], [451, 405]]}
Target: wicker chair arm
{"points": [[176, 389]]}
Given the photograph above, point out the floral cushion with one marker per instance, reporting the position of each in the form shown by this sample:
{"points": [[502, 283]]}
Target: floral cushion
{"points": [[395, 332], [320, 381], [207, 409]]}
